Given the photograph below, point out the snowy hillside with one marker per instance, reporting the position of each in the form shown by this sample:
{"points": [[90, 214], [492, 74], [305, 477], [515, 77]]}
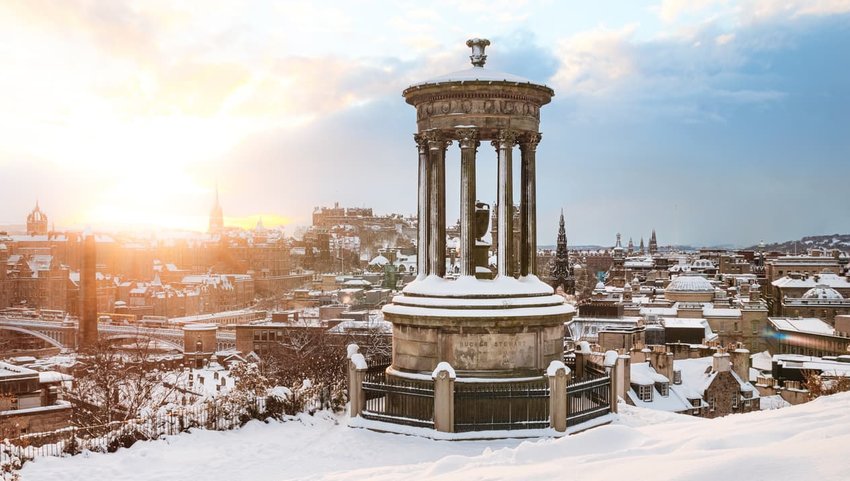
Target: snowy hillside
{"points": [[801, 442], [832, 241]]}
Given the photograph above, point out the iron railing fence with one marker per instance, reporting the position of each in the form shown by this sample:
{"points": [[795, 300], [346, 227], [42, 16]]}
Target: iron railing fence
{"points": [[588, 399], [399, 401], [504, 406], [108, 437]]}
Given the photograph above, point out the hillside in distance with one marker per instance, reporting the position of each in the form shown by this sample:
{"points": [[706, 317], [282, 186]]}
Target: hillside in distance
{"points": [[829, 241]]}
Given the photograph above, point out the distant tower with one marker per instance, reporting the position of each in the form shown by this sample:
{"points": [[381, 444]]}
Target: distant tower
{"points": [[216, 216], [617, 274], [653, 243], [642, 248], [88, 289], [560, 269], [37, 222], [631, 246]]}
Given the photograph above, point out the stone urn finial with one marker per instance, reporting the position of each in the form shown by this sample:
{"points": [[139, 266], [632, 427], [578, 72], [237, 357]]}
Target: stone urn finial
{"points": [[478, 45]]}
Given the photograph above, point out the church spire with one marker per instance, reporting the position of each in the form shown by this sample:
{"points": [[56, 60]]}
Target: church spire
{"points": [[653, 243], [216, 215], [560, 270]]}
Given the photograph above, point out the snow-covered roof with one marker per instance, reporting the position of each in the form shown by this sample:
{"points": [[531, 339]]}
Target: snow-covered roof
{"points": [[809, 325], [473, 74], [828, 279], [822, 291], [379, 260], [690, 283]]}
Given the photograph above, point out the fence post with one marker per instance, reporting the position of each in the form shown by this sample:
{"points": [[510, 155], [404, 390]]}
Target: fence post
{"points": [[356, 374], [582, 353], [622, 376], [612, 364], [558, 375], [444, 397]]}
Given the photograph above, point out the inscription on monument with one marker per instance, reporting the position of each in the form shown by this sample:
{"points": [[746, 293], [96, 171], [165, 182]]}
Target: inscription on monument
{"points": [[493, 351]]}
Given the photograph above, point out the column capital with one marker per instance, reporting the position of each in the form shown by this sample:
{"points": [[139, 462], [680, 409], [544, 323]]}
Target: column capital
{"points": [[506, 138], [468, 138], [436, 139], [529, 141], [421, 142]]}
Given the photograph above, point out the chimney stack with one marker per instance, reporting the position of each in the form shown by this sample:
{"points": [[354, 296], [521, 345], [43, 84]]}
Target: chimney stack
{"points": [[721, 362], [88, 290], [741, 363]]}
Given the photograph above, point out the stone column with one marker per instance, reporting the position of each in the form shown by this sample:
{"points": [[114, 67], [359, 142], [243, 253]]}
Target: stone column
{"points": [[437, 237], [558, 375], [468, 140], [528, 206], [424, 207], [504, 150], [444, 398]]}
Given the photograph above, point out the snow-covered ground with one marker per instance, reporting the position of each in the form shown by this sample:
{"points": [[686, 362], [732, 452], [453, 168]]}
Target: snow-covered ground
{"points": [[799, 442]]}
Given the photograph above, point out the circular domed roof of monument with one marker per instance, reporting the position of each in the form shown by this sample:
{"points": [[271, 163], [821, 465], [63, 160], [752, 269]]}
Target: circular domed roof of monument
{"points": [[477, 77], [477, 73], [690, 283], [600, 286], [822, 291]]}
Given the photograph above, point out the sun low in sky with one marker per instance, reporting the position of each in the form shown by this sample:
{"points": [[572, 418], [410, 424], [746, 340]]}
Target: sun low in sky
{"points": [[668, 114]]}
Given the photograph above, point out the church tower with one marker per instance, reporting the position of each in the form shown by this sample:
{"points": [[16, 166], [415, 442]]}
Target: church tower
{"points": [[617, 274], [216, 216], [560, 269], [653, 243], [642, 248], [36, 222]]}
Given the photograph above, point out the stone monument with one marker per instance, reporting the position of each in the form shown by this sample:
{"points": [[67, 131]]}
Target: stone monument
{"points": [[505, 327]]}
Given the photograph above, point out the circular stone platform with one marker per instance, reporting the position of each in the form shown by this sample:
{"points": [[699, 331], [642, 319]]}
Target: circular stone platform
{"points": [[503, 328]]}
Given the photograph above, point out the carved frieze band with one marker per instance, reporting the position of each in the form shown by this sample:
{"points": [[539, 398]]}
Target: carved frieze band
{"points": [[477, 107]]}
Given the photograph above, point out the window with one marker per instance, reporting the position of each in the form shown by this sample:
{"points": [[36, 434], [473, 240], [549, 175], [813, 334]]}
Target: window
{"points": [[645, 393], [734, 400], [663, 388], [755, 327]]}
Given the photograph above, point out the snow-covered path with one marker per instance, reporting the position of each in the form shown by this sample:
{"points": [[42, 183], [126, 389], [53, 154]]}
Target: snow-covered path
{"points": [[797, 443]]}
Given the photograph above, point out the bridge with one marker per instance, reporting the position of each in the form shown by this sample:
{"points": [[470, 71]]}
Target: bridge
{"points": [[63, 334]]}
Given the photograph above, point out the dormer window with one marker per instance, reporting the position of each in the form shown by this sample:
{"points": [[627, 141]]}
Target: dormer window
{"points": [[644, 392], [663, 388]]}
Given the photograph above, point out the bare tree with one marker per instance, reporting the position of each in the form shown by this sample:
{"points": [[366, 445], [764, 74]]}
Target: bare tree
{"points": [[113, 385], [818, 384]]}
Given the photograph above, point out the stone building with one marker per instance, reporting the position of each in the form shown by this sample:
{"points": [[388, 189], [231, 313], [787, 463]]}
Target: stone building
{"points": [[806, 336], [708, 387], [821, 301], [29, 401]]}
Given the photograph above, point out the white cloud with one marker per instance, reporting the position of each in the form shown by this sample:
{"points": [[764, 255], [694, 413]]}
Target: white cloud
{"points": [[591, 61]]}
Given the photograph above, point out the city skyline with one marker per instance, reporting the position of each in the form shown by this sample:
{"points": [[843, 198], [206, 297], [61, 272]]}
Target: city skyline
{"points": [[705, 121]]}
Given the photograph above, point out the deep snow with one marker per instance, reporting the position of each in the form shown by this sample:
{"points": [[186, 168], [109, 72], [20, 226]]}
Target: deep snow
{"points": [[799, 442]]}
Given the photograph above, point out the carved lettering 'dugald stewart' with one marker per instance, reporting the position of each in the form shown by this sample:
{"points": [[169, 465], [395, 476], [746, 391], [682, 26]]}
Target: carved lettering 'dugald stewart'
{"points": [[503, 323]]}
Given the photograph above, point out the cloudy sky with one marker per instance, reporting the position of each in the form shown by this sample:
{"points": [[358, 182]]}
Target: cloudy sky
{"points": [[713, 121]]}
